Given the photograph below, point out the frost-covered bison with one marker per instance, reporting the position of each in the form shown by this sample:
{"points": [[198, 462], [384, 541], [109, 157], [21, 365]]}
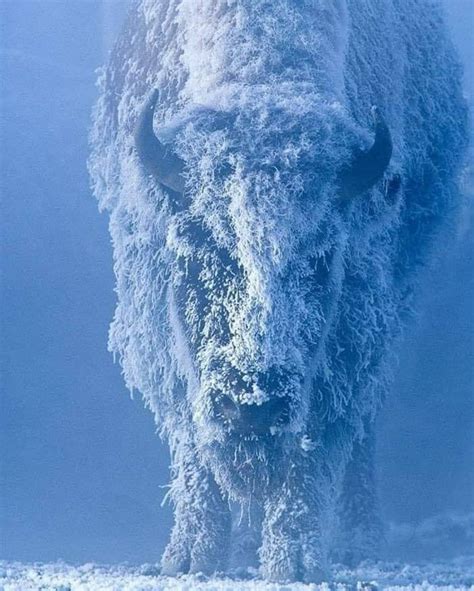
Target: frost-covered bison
{"points": [[276, 173]]}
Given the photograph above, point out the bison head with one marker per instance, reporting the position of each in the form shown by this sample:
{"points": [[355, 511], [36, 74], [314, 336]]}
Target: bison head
{"points": [[257, 235]]}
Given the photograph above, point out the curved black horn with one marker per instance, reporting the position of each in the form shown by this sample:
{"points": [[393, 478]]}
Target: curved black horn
{"points": [[159, 161], [369, 167]]}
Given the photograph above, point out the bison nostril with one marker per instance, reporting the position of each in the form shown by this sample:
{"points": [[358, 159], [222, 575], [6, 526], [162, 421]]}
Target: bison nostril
{"points": [[227, 408], [279, 409]]}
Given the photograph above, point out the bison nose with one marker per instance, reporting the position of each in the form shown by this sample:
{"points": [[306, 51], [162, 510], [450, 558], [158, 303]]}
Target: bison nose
{"points": [[255, 419]]}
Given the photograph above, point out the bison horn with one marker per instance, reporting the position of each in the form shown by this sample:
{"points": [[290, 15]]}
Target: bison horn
{"points": [[369, 167], [158, 160]]}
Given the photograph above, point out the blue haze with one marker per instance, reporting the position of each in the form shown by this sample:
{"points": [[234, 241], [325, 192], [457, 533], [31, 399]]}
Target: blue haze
{"points": [[81, 466]]}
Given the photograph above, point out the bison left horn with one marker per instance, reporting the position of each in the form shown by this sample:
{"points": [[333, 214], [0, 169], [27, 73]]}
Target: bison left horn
{"points": [[158, 160], [368, 167]]}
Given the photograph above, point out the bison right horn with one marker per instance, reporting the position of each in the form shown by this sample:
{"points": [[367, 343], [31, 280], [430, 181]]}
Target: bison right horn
{"points": [[158, 160], [368, 167]]}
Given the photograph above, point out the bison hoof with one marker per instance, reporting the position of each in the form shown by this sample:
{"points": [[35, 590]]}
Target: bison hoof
{"points": [[202, 569], [354, 557], [315, 576], [174, 570], [277, 574], [171, 567]]}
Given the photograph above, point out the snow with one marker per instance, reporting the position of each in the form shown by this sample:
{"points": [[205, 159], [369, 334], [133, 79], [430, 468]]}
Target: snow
{"points": [[59, 576]]}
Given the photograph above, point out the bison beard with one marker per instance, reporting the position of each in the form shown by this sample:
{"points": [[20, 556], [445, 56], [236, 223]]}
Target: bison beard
{"points": [[267, 241]]}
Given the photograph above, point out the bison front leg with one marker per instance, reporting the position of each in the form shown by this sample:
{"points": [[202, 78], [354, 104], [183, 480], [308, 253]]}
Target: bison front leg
{"points": [[200, 537], [361, 530], [211, 546], [246, 536], [293, 545]]}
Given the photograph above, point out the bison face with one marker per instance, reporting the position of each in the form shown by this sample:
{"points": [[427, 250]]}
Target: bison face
{"points": [[251, 338], [256, 235]]}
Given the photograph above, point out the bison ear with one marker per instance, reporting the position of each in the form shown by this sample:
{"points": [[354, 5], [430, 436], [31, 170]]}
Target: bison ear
{"points": [[368, 167], [158, 160]]}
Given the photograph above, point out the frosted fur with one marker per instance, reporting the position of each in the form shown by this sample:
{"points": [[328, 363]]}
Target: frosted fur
{"points": [[263, 268]]}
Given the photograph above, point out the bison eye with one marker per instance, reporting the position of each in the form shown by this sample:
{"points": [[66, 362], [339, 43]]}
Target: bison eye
{"points": [[392, 187]]}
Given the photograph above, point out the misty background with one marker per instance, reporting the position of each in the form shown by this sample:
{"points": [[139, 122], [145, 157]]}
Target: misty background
{"points": [[82, 470]]}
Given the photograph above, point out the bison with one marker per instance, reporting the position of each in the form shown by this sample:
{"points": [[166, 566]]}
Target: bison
{"points": [[277, 175]]}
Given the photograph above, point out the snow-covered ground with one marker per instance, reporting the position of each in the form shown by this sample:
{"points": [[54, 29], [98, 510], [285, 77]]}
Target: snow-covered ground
{"points": [[442, 576]]}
